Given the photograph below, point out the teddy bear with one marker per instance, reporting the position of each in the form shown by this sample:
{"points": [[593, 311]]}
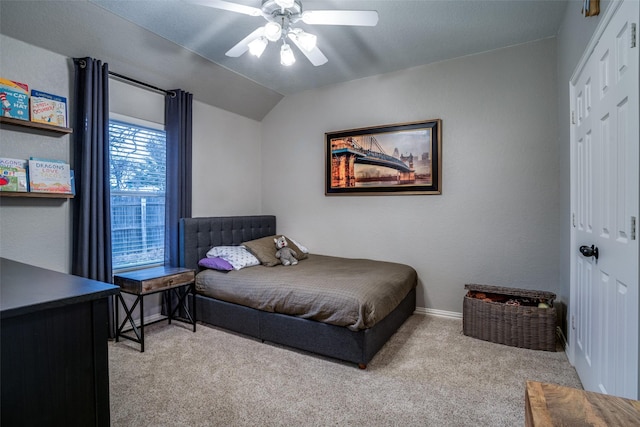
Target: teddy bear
{"points": [[285, 253]]}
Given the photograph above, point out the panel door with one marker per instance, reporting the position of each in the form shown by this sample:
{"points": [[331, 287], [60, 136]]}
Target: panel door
{"points": [[605, 163]]}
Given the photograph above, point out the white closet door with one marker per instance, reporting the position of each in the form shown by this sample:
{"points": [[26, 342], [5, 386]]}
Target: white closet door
{"points": [[605, 188]]}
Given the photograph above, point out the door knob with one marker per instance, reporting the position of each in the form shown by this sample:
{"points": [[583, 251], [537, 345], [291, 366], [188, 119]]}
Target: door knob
{"points": [[589, 251]]}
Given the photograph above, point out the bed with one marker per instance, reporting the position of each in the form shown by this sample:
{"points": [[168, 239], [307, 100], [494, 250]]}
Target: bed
{"points": [[353, 338]]}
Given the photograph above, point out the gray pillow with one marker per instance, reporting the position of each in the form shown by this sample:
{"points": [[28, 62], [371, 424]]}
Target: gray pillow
{"points": [[265, 250]]}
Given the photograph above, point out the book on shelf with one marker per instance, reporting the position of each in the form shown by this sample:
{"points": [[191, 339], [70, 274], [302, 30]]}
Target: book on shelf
{"points": [[49, 176], [73, 182], [13, 175], [71, 173], [48, 108], [46, 160], [14, 99]]}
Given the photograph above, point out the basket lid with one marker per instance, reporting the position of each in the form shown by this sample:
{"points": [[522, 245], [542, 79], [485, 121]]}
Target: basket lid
{"points": [[527, 293]]}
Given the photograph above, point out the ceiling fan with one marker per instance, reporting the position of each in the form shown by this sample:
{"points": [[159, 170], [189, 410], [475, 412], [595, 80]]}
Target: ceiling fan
{"points": [[281, 16]]}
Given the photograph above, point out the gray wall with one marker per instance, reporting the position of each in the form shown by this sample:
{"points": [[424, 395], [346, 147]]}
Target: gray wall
{"points": [[498, 218], [36, 230]]}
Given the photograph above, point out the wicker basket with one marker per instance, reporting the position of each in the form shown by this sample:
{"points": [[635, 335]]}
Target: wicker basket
{"points": [[515, 325]]}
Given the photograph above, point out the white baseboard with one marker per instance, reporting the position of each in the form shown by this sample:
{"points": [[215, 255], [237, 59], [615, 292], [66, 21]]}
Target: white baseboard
{"points": [[419, 310], [437, 313], [563, 339], [565, 345]]}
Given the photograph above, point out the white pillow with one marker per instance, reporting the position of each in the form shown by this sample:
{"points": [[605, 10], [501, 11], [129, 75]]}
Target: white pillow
{"points": [[238, 256], [302, 248]]}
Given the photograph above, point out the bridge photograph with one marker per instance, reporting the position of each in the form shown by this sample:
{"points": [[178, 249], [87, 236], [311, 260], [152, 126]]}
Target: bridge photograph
{"points": [[398, 157]]}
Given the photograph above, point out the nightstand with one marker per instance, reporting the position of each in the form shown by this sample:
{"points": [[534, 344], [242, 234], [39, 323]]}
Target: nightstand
{"points": [[174, 281]]}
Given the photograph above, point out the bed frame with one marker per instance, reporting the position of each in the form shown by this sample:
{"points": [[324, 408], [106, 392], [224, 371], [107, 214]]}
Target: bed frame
{"points": [[198, 235]]}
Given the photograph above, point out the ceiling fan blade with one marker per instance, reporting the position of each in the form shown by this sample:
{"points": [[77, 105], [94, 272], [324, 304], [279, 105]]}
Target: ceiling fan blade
{"points": [[365, 18], [315, 55], [227, 5], [243, 45]]}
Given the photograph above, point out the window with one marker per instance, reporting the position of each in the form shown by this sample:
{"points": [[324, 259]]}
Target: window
{"points": [[137, 172]]}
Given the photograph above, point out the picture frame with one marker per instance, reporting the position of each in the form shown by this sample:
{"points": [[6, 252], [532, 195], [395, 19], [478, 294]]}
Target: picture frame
{"points": [[396, 159], [590, 8]]}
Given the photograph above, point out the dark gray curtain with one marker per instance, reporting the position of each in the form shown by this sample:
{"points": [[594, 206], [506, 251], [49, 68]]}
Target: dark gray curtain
{"points": [[178, 116], [91, 256]]}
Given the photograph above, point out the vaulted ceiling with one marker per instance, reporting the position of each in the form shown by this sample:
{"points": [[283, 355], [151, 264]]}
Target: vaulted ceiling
{"points": [[176, 43]]}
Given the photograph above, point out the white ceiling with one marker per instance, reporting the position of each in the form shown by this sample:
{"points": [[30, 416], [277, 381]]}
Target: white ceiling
{"points": [[190, 50]]}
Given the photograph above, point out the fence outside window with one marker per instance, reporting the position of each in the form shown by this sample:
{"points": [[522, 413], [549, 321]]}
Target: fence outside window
{"points": [[137, 229]]}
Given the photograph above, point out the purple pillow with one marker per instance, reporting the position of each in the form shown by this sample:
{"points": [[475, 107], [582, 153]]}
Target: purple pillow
{"points": [[215, 263]]}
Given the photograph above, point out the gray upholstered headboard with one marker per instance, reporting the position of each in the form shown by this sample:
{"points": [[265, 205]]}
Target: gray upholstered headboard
{"points": [[198, 235]]}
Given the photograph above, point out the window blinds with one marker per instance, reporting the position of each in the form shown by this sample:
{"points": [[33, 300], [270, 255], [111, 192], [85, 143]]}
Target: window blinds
{"points": [[138, 181]]}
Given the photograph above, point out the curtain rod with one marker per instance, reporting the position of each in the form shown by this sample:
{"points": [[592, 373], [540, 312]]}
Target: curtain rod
{"points": [[138, 82]]}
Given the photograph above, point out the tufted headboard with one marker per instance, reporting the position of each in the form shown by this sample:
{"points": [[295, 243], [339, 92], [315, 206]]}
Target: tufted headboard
{"points": [[198, 235]]}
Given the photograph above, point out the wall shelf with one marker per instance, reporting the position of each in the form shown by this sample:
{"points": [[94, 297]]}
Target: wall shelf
{"points": [[33, 125], [56, 130], [36, 195]]}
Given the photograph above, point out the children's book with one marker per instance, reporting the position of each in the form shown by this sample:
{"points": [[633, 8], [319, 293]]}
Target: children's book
{"points": [[48, 108], [14, 99], [49, 176], [13, 175]]}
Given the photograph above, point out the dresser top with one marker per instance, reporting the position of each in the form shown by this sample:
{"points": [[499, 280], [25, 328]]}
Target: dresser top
{"points": [[25, 288]]}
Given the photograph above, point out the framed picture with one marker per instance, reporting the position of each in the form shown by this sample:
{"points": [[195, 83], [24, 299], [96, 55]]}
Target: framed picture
{"points": [[393, 159]]}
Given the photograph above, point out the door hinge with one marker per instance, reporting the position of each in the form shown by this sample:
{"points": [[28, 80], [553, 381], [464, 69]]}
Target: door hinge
{"points": [[633, 228], [573, 220], [633, 35], [573, 321], [573, 117]]}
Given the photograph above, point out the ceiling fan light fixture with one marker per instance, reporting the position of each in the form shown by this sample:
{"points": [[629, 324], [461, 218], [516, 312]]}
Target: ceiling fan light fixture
{"points": [[273, 31], [281, 15], [306, 40], [285, 4], [258, 46], [286, 55]]}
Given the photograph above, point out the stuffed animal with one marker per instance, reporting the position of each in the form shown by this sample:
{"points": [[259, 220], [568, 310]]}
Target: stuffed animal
{"points": [[285, 253]]}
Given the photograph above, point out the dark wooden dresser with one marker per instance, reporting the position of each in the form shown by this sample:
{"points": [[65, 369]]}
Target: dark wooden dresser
{"points": [[54, 361]]}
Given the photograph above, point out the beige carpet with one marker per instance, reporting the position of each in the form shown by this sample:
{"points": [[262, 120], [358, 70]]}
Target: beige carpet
{"points": [[428, 374]]}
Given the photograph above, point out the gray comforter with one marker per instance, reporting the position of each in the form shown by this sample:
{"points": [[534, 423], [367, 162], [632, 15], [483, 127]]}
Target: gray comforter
{"points": [[355, 293]]}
